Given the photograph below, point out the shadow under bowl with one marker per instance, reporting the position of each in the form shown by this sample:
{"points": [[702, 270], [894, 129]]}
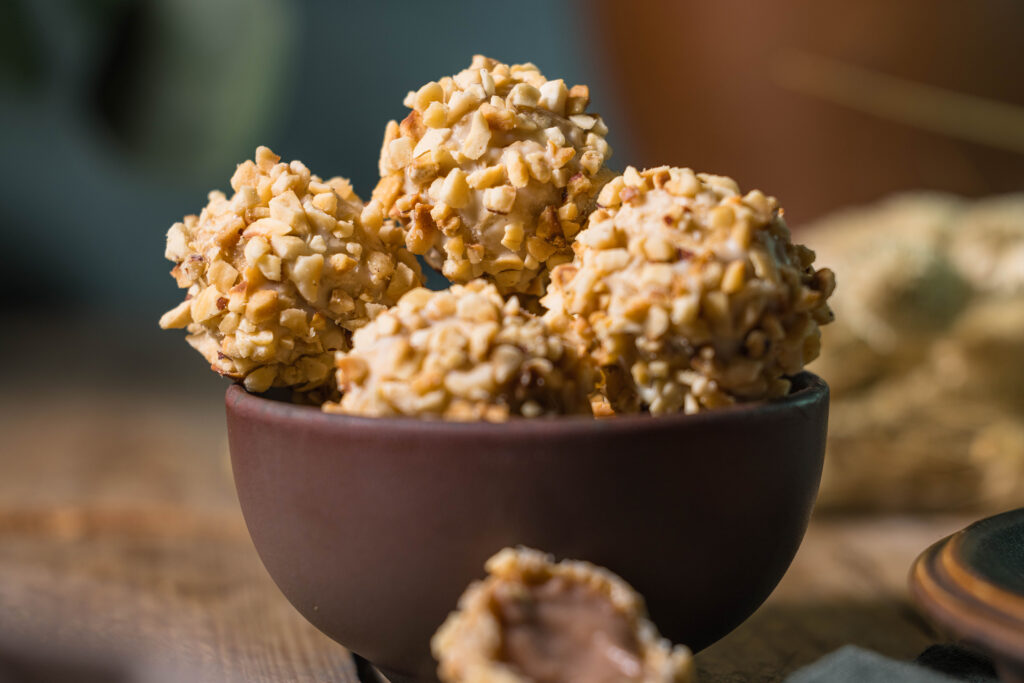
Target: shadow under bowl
{"points": [[373, 527]]}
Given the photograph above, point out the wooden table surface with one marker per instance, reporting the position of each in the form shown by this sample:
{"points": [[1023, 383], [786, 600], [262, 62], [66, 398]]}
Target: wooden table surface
{"points": [[123, 557]]}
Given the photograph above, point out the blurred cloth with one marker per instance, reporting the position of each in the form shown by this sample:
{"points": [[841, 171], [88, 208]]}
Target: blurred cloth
{"points": [[925, 358], [938, 664]]}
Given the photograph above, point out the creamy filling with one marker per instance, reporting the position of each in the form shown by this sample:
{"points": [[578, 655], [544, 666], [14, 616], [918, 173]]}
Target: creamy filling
{"points": [[560, 631]]}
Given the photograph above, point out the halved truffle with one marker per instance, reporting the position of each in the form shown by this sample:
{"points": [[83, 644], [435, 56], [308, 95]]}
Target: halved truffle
{"points": [[536, 621]]}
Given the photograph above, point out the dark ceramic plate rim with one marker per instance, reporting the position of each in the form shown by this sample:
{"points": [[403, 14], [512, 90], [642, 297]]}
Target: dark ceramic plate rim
{"points": [[967, 601], [811, 389], [983, 541]]}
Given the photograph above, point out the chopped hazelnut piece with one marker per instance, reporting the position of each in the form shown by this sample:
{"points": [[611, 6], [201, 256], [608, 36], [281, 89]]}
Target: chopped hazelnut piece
{"points": [[500, 199]]}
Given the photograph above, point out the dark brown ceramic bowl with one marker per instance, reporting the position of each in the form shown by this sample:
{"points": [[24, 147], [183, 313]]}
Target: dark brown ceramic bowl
{"points": [[373, 527]]}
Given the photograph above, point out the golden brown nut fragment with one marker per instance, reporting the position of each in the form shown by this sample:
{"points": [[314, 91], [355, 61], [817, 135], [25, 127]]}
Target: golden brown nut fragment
{"points": [[534, 621], [278, 274], [461, 354], [690, 295], [492, 173]]}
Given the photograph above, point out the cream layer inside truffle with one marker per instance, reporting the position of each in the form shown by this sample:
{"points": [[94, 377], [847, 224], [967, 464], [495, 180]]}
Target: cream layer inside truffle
{"points": [[560, 630]]}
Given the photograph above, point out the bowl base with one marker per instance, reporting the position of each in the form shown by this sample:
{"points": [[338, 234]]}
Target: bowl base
{"points": [[368, 673]]}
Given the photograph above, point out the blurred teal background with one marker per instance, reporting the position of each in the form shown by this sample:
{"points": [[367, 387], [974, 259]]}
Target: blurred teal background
{"points": [[118, 116]]}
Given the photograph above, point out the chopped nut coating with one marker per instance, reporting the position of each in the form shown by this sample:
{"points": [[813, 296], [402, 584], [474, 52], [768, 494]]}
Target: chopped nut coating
{"points": [[499, 145], [279, 274], [689, 295], [460, 354]]}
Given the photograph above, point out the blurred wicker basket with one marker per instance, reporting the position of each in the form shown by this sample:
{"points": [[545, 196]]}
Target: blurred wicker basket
{"points": [[926, 359]]}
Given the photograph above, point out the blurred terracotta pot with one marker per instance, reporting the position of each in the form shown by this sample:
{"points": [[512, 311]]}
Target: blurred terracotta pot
{"points": [[821, 103]]}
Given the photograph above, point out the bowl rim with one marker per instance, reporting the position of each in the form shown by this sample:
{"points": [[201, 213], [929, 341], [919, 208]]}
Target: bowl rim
{"points": [[811, 390]]}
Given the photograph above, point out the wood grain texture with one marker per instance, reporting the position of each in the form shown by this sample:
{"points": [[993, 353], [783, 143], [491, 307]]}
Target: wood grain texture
{"points": [[123, 557]]}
